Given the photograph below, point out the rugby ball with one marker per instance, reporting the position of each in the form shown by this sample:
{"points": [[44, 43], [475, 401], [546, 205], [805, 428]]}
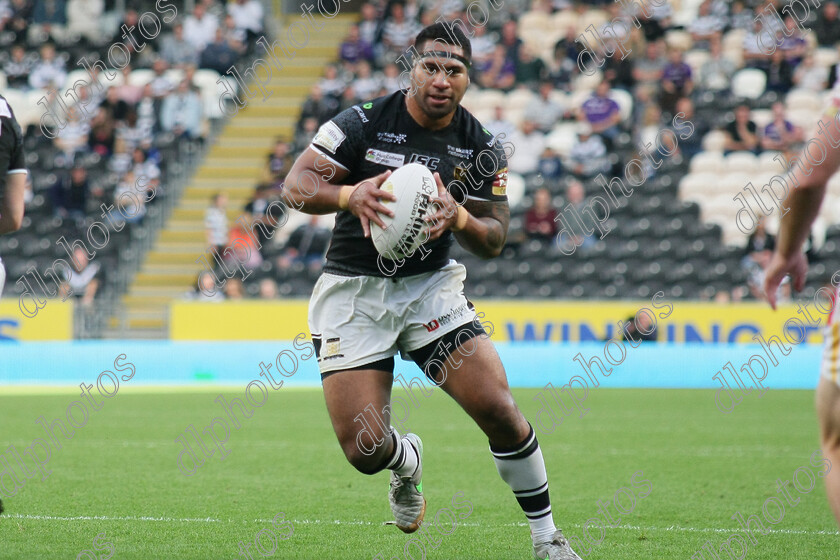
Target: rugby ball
{"points": [[414, 186]]}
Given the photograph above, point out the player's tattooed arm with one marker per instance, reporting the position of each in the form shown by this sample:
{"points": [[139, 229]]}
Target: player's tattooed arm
{"points": [[485, 232]]}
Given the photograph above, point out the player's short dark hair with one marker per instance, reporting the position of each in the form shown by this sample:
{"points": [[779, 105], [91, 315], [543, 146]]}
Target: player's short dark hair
{"points": [[446, 33]]}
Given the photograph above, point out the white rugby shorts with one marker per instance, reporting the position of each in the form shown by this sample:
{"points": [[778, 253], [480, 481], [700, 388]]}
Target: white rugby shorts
{"points": [[359, 320]]}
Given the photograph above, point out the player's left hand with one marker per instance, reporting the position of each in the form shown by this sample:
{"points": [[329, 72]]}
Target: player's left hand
{"points": [[445, 213], [778, 268]]}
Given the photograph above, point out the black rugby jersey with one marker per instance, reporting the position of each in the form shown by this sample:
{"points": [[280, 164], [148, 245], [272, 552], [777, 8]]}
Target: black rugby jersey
{"points": [[370, 138], [11, 142]]}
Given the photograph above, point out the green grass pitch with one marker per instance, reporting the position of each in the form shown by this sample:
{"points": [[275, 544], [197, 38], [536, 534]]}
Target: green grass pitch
{"points": [[118, 475]]}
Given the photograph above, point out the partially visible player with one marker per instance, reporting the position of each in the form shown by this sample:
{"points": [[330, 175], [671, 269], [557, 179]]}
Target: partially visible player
{"points": [[804, 202], [13, 170]]}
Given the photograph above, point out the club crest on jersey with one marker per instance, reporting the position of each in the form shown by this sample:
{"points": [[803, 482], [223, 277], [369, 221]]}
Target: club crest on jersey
{"points": [[329, 137], [391, 137], [500, 184], [389, 159], [460, 172], [428, 161], [457, 152]]}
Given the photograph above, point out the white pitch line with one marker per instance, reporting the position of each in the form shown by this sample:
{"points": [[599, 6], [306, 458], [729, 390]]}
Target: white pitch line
{"points": [[371, 523]]}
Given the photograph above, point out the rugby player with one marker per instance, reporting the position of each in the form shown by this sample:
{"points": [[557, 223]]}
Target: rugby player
{"points": [[13, 170], [804, 201], [361, 312]]}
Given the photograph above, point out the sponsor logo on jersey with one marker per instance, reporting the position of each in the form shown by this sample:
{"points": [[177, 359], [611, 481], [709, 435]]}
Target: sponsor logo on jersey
{"points": [[460, 172], [454, 314], [360, 113], [428, 161], [385, 158], [391, 137], [329, 137], [500, 183], [432, 325], [457, 152]]}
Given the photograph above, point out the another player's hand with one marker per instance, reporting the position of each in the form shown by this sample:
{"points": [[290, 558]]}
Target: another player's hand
{"points": [[445, 211], [364, 202], [778, 268]]}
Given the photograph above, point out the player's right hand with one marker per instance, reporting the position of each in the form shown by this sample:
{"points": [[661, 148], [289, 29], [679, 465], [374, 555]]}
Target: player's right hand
{"points": [[364, 202], [778, 268]]}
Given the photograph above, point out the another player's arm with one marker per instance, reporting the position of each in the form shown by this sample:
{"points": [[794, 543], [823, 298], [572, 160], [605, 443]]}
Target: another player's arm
{"points": [[314, 186], [11, 203], [804, 201]]}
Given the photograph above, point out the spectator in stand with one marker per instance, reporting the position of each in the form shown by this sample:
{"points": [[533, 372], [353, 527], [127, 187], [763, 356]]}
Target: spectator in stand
{"points": [[827, 25], [73, 137], [399, 32], [321, 108], [616, 71], [83, 17], [247, 16], [148, 113], [257, 210], [366, 85], [279, 163], [562, 67], [589, 156], [176, 50], [369, 24], [539, 219], [757, 253], [810, 76], [236, 38], [102, 133], [20, 18], [780, 135], [717, 71], [332, 84], [740, 17], [576, 197], [511, 42], [676, 81], [529, 143], [500, 125], [308, 129], [49, 72], [85, 280], [501, 73], [115, 107], [355, 49], [140, 58], [219, 55], [69, 194], [348, 98], [146, 169], [240, 237], [200, 27], [268, 289], [690, 137], [128, 92], [779, 73], [742, 133], [639, 328], [233, 289], [793, 43], [49, 20], [601, 112], [132, 202], [308, 245], [216, 224], [391, 78], [482, 45], [530, 69], [550, 167], [180, 113], [205, 289], [544, 111], [754, 54], [160, 84], [706, 26], [649, 69], [18, 68]]}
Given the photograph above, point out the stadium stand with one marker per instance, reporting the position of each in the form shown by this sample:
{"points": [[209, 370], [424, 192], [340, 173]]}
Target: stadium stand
{"points": [[677, 231]]}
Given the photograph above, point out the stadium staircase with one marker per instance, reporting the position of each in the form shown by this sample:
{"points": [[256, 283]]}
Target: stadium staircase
{"points": [[234, 164]]}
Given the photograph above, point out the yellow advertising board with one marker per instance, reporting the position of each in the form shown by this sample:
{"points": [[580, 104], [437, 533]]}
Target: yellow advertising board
{"points": [[522, 320], [54, 321]]}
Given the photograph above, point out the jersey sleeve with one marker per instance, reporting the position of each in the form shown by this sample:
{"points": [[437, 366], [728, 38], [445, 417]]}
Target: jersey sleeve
{"points": [[491, 170], [11, 142], [341, 139]]}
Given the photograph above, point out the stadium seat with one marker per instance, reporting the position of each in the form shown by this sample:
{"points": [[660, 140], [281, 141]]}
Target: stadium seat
{"points": [[767, 163], [681, 40], [593, 17], [519, 99], [515, 189], [708, 161], [714, 141], [564, 19], [140, 77], [826, 58], [625, 102], [695, 59], [749, 83], [490, 98], [803, 99], [744, 162], [562, 138]]}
